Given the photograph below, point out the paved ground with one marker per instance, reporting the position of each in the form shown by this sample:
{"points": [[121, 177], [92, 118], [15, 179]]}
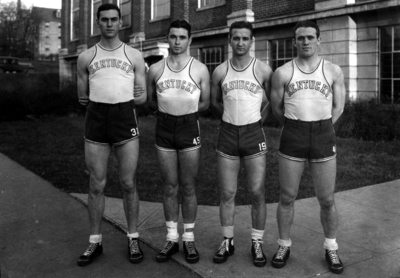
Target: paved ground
{"points": [[43, 231]]}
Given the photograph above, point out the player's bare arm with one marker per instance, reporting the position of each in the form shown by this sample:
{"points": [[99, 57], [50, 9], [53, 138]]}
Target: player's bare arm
{"points": [[202, 77], [153, 74], [83, 76], [264, 74], [280, 79], [216, 93], [335, 73], [139, 68]]}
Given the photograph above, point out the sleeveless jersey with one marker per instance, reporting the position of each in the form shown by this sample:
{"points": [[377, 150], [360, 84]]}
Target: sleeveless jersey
{"points": [[308, 96], [242, 95], [177, 92], [111, 76]]}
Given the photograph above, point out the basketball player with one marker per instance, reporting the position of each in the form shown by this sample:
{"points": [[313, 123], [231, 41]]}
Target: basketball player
{"points": [[179, 87], [107, 73], [307, 97], [238, 87]]}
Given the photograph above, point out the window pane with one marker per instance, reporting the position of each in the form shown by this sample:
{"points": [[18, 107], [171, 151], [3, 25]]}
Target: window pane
{"points": [[386, 65], [288, 48], [75, 4], [396, 32], [396, 65], [273, 50], [161, 8], [386, 91], [386, 39], [396, 91], [281, 49]]}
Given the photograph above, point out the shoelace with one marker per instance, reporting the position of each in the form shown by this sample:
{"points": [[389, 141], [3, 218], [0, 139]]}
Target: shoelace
{"points": [[281, 252], [333, 256], [190, 247], [134, 246], [257, 249], [90, 249], [224, 247], [167, 247]]}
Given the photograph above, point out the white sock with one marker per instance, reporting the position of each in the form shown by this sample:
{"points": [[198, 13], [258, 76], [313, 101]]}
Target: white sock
{"points": [[95, 238], [257, 234], [227, 231], [188, 234], [133, 235], [172, 228], [285, 242], [331, 244]]}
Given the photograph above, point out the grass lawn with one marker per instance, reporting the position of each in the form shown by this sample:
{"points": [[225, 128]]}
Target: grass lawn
{"points": [[53, 149]]}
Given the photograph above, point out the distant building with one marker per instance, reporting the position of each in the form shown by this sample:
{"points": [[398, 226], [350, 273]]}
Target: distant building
{"points": [[362, 36], [46, 33]]}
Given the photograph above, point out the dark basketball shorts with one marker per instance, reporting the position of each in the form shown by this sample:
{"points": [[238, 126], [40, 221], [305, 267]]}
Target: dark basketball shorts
{"points": [[312, 141], [247, 141], [113, 124], [177, 133]]}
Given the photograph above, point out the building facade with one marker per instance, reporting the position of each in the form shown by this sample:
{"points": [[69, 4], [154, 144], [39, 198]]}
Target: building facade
{"points": [[361, 36], [46, 33]]}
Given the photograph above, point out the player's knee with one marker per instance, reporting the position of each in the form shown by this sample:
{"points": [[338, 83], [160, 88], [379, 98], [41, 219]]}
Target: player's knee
{"points": [[227, 195], [287, 199], [188, 191], [327, 203], [258, 198], [170, 190], [128, 185]]}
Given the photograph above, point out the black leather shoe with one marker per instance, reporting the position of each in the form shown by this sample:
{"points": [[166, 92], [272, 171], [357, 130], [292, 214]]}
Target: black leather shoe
{"points": [[259, 258], [335, 264], [280, 257], [224, 251], [169, 249], [135, 253], [94, 250], [192, 256]]}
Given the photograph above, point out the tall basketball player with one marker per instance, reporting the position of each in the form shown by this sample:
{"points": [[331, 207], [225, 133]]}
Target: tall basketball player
{"points": [[179, 87], [308, 97], [107, 73], [238, 88]]}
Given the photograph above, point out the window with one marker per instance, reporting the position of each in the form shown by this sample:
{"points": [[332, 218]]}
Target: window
{"points": [[212, 57], [95, 5], [125, 7], [160, 9], [389, 60], [75, 20], [58, 13], [280, 52], [205, 3]]}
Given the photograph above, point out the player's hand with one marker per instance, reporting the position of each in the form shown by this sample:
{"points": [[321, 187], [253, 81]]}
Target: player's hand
{"points": [[138, 91], [84, 101]]}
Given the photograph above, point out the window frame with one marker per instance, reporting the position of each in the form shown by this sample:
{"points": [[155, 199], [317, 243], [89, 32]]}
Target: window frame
{"points": [[392, 53], [153, 16], [73, 11], [93, 18], [120, 4], [201, 4], [278, 60], [211, 66]]}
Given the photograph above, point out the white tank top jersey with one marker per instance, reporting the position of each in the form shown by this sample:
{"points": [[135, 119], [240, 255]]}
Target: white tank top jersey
{"points": [[111, 75], [242, 95], [308, 96], [177, 92]]}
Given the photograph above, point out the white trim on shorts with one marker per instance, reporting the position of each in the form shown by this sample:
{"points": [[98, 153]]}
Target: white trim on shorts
{"points": [[305, 159], [174, 150]]}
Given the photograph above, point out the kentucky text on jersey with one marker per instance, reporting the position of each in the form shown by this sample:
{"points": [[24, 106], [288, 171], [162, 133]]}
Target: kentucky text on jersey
{"points": [[107, 63], [308, 84], [242, 85], [176, 84]]}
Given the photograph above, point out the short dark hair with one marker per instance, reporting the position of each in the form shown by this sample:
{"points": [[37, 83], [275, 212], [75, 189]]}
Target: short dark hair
{"points": [[106, 7], [240, 25], [305, 24], [181, 24]]}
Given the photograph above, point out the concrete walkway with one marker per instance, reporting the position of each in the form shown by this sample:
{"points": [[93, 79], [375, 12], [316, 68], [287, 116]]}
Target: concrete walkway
{"points": [[43, 230]]}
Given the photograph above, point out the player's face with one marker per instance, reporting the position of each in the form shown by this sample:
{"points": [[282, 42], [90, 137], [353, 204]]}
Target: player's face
{"points": [[306, 42], [109, 23], [241, 41], [178, 40]]}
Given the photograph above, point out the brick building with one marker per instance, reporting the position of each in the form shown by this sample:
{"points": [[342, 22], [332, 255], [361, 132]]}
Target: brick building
{"points": [[46, 33], [362, 36]]}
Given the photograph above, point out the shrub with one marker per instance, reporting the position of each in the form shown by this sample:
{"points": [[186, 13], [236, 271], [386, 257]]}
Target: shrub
{"points": [[37, 95], [369, 121]]}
